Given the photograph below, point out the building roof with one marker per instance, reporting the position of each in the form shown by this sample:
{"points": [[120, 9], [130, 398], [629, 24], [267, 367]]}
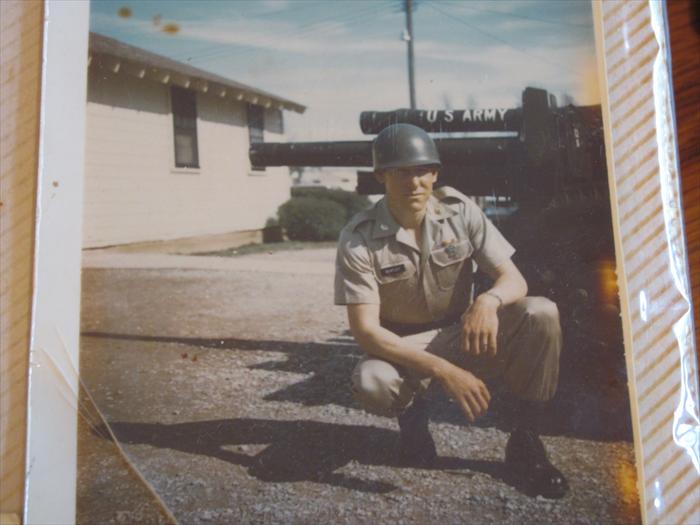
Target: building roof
{"points": [[112, 53]]}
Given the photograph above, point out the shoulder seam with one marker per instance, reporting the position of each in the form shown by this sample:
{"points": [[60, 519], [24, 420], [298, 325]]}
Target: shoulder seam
{"points": [[448, 192], [359, 218]]}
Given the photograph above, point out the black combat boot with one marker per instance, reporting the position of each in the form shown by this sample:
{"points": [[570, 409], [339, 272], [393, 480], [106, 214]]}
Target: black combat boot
{"points": [[526, 458], [416, 445]]}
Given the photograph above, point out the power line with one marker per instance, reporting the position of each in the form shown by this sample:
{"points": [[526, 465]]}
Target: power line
{"points": [[216, 47], [499, 39], [253, 47], [523, 17], [264, 41], [219, 50]]}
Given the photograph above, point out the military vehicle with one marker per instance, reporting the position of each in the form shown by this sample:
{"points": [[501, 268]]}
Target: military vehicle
{"points": [[546, 166]]}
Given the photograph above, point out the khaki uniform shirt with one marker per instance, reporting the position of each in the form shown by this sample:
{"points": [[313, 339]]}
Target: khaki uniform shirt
{"points": [[378, 262]]}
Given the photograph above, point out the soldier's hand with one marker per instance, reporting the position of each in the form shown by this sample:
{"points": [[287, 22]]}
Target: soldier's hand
{"points": [[480, 326], [467, 390]]}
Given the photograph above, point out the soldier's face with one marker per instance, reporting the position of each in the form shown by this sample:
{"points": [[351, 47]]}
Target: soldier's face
{"points": [[409, 188]]}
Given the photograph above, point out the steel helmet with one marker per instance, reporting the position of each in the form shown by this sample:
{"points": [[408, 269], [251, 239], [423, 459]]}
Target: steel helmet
{"points": [[403, 146]]}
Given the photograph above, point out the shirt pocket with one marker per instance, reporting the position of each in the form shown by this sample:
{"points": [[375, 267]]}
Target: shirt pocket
{"points": [[395, 271], [448, 261]]}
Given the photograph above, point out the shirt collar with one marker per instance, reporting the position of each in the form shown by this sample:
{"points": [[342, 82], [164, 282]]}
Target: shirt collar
{"points": [[434, 221], [385, 225], [437, 210]]}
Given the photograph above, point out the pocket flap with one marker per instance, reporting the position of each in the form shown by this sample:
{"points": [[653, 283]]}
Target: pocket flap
{"points": [[452, 253]]}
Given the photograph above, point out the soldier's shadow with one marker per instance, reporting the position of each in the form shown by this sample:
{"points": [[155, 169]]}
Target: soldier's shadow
{"points": [[328, 365], [292, 450]]}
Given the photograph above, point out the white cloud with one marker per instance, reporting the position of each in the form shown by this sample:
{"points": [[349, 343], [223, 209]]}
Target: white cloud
{"points": [[287, 38], [337, 71], [560, 12], [491, 77], [273, 6]]}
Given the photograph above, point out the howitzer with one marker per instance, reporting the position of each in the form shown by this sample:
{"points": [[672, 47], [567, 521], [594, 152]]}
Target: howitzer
{"points": [[531, 153], [535, 155]]}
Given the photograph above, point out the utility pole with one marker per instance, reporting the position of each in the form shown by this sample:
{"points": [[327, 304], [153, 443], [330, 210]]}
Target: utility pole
{"points": [[408, 6]]}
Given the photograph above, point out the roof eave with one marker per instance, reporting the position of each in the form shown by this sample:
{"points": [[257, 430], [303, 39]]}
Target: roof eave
{"points": [[205, 83]]}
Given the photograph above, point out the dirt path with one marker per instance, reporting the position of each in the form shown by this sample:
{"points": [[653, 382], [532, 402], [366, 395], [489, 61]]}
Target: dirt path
{"points": [[228, 387]]}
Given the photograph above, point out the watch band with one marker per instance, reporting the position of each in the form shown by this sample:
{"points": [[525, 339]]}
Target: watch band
{"points": [[492, 294]]}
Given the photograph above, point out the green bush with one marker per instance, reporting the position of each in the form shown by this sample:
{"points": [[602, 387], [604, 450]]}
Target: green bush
{"points": [[272, 232], [318, 214], [312, 218], [349, 200]]}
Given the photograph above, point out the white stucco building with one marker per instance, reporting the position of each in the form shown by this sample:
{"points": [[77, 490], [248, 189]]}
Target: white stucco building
{"points": [[167, 150]]}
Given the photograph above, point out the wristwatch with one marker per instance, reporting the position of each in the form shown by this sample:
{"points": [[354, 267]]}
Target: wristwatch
{"points": [[493, 294]]}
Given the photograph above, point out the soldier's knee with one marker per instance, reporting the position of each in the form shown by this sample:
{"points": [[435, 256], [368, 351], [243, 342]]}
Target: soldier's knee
{"points": [[542, 318], [543, 313], [374, 383], [541, 308], [534, 372]]}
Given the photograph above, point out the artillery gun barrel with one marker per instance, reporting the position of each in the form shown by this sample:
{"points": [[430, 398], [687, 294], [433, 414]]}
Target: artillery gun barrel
{"points": [[463, 151], [332, 154], [491, 119]]}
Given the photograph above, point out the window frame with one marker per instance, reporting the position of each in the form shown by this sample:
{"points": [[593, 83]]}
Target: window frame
{"points": [[179, 95], [255, 119]]}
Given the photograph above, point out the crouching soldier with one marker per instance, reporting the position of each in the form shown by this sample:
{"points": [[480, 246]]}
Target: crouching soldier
{"points": [[404, 269]]}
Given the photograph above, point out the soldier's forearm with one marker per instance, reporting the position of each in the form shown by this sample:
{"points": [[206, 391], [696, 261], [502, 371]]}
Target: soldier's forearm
{"points": [[509, 286]]}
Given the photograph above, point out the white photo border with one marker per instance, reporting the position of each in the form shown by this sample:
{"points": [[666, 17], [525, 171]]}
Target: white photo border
{"points": [[655, 307]]}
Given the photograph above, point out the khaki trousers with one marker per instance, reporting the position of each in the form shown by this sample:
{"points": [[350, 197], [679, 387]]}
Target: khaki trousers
{"points": [[527, 359]]}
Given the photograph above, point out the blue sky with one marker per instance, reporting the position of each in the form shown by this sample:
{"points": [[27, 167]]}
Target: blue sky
{"points": [[341, 57]]}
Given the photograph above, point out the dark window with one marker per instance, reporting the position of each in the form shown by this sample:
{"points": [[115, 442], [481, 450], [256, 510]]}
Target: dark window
{"points": [[184, 104], [256, 127]]}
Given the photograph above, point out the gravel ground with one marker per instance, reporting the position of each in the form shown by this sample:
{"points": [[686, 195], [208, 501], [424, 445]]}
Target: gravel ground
{"points": [[229, 391]]}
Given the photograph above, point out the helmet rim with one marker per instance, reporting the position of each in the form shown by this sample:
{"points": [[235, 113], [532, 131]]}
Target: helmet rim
{"points": [[404, 146]]}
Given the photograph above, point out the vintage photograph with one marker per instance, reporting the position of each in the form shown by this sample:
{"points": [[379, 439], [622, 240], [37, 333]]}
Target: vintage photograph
{"points": [[349, 262]]}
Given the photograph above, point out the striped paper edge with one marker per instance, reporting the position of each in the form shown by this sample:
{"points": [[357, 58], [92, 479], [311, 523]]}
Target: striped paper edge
{"points": [[20, 64], [661, 357]]}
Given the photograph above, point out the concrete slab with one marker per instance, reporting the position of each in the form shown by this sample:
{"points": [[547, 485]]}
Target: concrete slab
{"points": [[303, 262]]}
